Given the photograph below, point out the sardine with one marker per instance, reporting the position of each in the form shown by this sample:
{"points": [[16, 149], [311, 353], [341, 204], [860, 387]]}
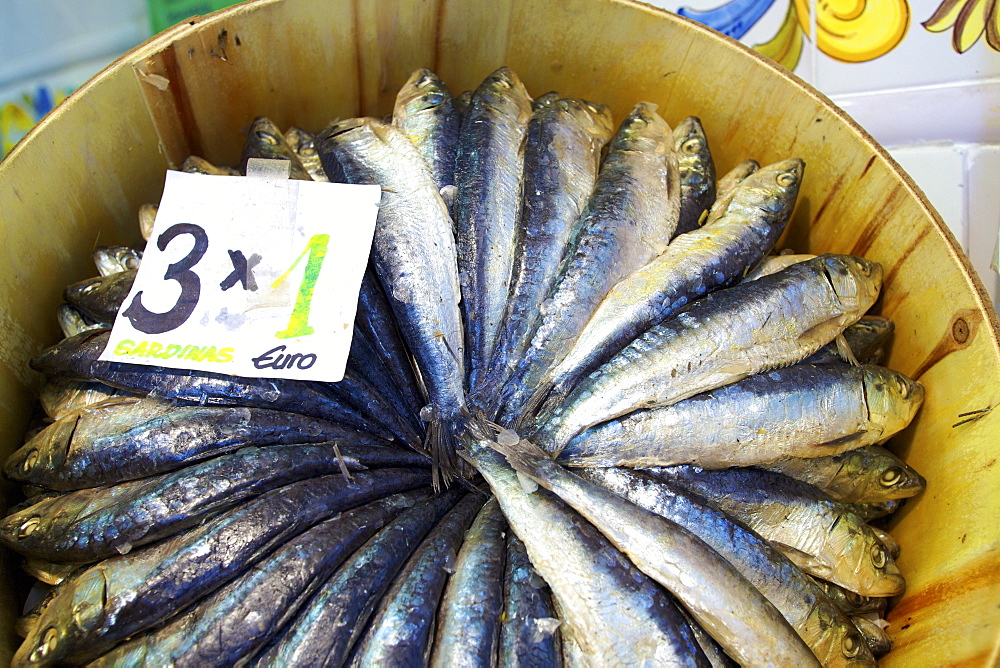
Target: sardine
{"points": [[401, 629], [194, 164], [611, 613], [414, 252], [303, 144], [238, 619], [866, 475], [849, 602], [326, 628], [425, 113], [489, 167], [866, 339], [529, 635], [724, 337], [121, 596], [561, 159], [800, 411], [76, 358], [147, 216], [628, 220], [694, 264], [264, 140], [772, 264], [100, 298], [697, 174], [817, 619], [468, 620], [114, 259], [732, 610], [879, 642], [822, 537], [100, 522], [129, 438]]}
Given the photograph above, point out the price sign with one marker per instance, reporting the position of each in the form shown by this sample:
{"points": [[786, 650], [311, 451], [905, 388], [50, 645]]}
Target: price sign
{"points": [[250, 276]]}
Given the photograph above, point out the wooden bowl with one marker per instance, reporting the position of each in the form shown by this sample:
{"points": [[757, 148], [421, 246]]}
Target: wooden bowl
{"points": [[78, 179]]}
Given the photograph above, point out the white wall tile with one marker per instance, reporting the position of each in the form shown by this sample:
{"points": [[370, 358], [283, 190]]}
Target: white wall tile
{"points": [[983, 178], [940, 172]]}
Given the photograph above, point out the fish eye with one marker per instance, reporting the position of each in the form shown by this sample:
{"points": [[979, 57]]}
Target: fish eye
{"points": [[879, 557], [308, 150], [692, 145], [28, 527], [47, 645], [31, 460], [787, 179], [851, 645], [890, 476], [854, 598], [267, 137], [903, 388]]}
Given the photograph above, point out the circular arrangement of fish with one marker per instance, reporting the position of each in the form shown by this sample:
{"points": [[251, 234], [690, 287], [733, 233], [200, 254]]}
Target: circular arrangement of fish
{"points": [[587, 418]]}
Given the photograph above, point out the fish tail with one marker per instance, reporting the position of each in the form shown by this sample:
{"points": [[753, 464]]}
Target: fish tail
{"points": [[542, 401], [524, 456]]}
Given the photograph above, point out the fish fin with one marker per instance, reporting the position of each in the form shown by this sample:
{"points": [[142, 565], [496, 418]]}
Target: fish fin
{"points": [[844, 350], [543, 400], [524, 456]]}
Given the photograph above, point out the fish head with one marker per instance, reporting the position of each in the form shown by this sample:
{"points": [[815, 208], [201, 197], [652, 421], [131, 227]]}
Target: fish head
{"points": [[113, 259], [73, 613], [71, 321], [773, 189], [866, 563], [690, 139], [424, 90], [892, 398], [855, 281], [834, 639], [46, 451], [84, 291], [84, 346]]}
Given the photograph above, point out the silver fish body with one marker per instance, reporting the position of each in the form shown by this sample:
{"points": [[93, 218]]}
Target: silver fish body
{"points": [[801, 411], [488, 174], [401, 629], [414, 253], [726, 186], [732, 610], [611, 613], [728, 335], [118, 597], [628, 220], [468, 620], [561, 160], [816, 618], [529, 635], [824, 538], [694, 264]]}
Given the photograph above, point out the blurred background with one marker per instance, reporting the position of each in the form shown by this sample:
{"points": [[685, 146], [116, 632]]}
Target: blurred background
{"points": [[922, 76]]}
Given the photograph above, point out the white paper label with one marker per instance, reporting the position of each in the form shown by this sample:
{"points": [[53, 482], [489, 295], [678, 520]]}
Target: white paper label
{"points": [[252, 276]]}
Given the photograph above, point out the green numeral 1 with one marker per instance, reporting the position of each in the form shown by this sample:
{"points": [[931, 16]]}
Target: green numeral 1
{"points": [[298, 324]]}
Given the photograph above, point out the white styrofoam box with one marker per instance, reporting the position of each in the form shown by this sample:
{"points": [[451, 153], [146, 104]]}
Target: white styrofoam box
{"points": [[40, 36]]}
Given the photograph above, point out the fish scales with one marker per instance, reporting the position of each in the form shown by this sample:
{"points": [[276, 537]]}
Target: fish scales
{"points": [[326, 628], [529, 635], [241, 617], [414, 253], [468, 620], [694, 264], [611, 613], [816, 618], [732, 611], [100, 522], [561, 161], [799, 411], [728, 335], [401, 629], [627, 221], [76, 358], [128, 439], [824, 538], [126, 594], [425, 112], [489, 169]]}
